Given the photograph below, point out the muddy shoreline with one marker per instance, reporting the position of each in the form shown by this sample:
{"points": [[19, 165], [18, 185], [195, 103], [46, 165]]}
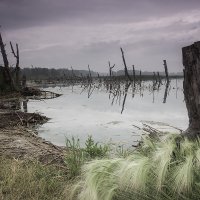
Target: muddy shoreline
{"points": [[19, 138]]}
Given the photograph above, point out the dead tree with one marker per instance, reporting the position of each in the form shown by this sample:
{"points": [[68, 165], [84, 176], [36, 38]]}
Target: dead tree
{"points": [[191, 86], [159, 78], [155, 78], [17, 68], [140, 78], [134, 79], [90, 75], [166, 70], [73, 75], [125, 66], [110, 68], [7, 74]]}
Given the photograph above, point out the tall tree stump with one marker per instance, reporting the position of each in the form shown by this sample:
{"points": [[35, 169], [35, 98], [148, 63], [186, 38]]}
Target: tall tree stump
{"points": [[191, 86], [7, 74]]}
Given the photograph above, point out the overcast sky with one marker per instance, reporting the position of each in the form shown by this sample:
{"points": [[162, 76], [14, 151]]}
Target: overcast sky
{"points": [[65, 33]]}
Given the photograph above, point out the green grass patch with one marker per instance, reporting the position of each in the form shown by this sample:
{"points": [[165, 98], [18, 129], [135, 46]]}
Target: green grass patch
{"points": [[77, 155]]}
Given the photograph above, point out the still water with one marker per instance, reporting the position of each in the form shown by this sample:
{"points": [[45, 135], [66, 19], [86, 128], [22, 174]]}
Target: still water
{"points": [[80, 112]]}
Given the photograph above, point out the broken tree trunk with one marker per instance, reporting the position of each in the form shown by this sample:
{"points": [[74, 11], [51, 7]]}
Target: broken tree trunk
{"points": [[155, 78], [125, 66], [134, 73], [159, 78], [166, 70], [73, 75], [110, 68], [191, 86], [7, 73], [17, 68], [90, 75]]}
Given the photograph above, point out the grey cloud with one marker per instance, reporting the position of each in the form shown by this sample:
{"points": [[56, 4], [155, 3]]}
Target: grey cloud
{"points": [[61, 33], [22, 13]]}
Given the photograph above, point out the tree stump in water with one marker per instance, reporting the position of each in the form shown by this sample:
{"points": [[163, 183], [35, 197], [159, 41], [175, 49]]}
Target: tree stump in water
{"points": [[191, 86]]}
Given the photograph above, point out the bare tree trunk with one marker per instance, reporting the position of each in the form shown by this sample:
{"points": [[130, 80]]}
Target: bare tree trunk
{"points": [[17, 68], [8, 76], [73, 75], [125, 66], [140, 78], [159, 78], [191, 85], [166, 70], [110, 68], [134, 79], [90, 75]]}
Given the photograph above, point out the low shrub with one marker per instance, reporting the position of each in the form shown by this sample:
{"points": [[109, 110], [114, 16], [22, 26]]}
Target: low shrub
{"points": [[94, 150]]}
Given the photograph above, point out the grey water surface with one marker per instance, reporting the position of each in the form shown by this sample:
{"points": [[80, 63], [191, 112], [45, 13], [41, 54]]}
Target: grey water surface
{"points": [[100, 115]]}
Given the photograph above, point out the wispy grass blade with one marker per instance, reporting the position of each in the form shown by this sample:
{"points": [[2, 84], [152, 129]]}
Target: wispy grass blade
{"points": [[162, 158], [134, 172], [184, 175]]}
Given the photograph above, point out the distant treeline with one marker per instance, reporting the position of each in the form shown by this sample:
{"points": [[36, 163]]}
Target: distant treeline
{"points": [[52, 73]]}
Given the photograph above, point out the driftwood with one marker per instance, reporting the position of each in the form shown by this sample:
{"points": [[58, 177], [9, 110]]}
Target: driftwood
{"points": [[191, 86]]}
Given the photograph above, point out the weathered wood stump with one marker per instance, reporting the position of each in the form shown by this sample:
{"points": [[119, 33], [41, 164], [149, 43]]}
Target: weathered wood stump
{"points": [[191, 86]]}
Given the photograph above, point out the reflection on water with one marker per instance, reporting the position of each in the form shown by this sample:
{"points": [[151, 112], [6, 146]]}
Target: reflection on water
{"points": [[109, 111]]}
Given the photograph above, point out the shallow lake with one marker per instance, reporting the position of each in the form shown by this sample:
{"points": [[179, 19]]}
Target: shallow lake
{"points": [[100, 115]]}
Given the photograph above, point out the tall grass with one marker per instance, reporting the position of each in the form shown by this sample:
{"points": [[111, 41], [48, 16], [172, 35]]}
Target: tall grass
{"points": [[31, 180], [75, 157], [167, 168]]}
